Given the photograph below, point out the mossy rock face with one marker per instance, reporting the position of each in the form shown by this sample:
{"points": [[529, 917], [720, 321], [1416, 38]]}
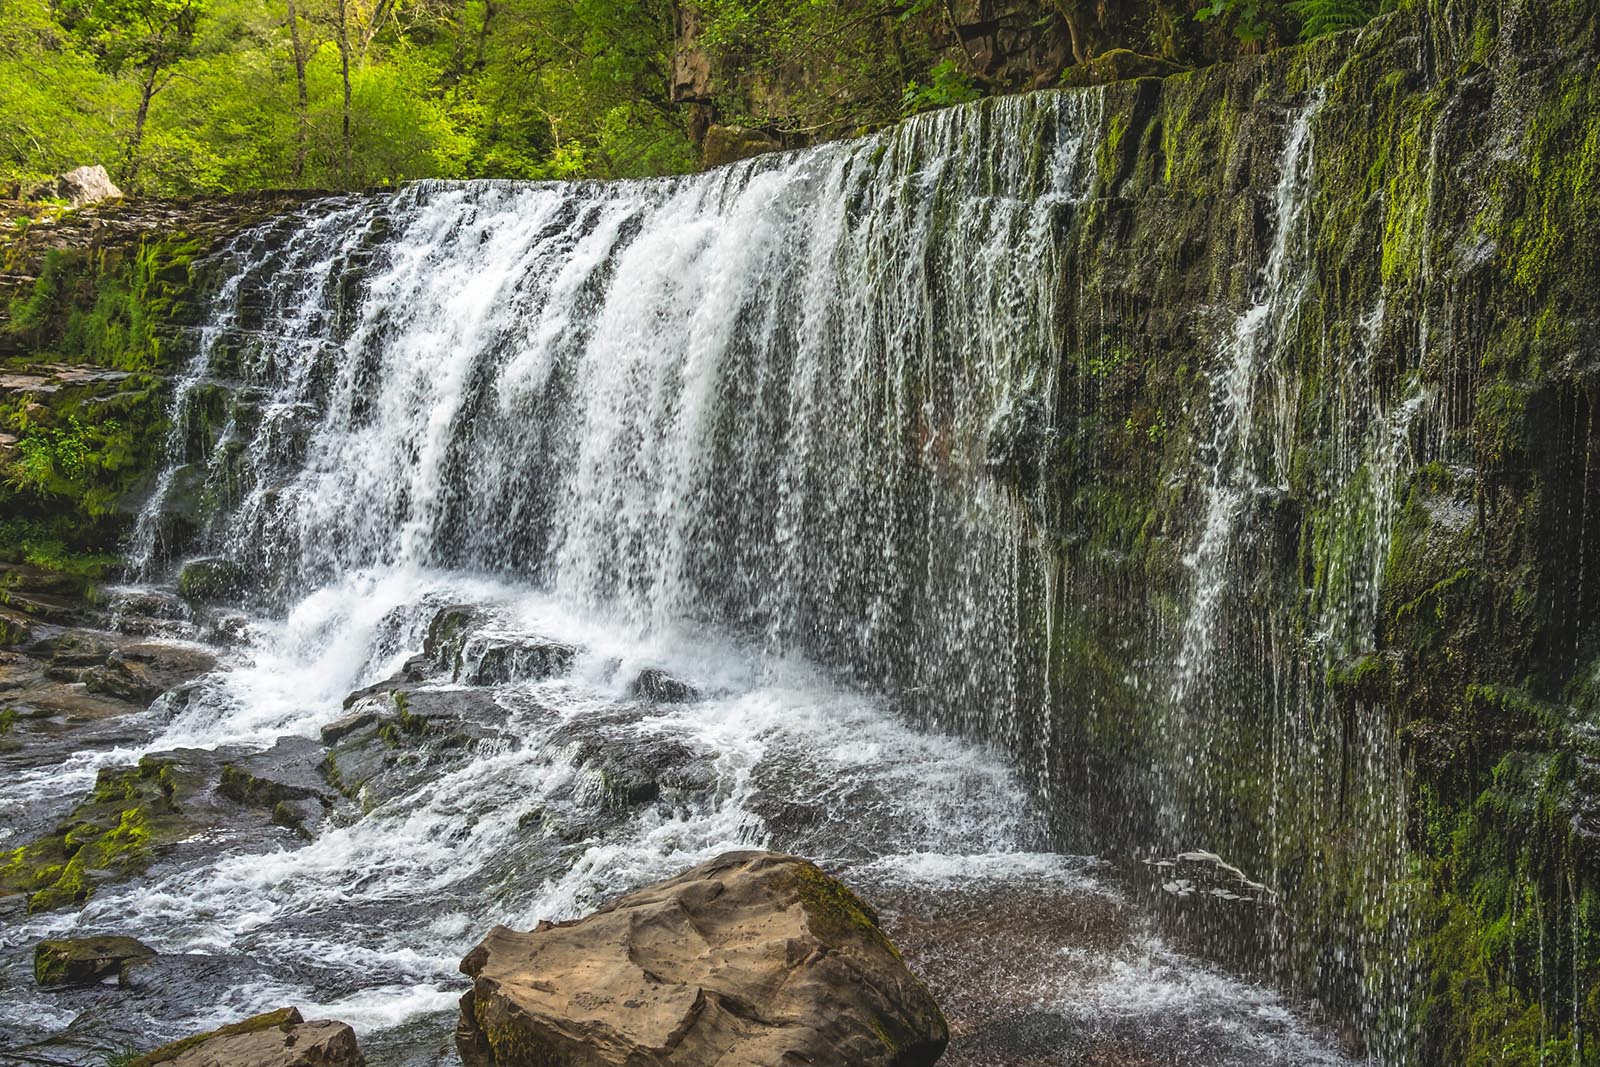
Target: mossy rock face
{"points": [[97, 311], [112, 834], [85, 960]]}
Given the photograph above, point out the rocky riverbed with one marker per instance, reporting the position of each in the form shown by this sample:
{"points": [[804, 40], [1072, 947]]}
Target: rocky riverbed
{"points": [[329, 810]]}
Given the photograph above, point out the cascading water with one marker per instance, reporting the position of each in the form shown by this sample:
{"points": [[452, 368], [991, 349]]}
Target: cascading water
{"points": [[770, 429], [759, 399]]}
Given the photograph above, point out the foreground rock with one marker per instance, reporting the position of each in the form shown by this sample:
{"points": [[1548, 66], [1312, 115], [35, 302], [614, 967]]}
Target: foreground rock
{"points": [[85, 960], [754, 958], [277, 1039]]}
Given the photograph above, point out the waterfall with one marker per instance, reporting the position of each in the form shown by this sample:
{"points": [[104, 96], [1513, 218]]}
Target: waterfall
{"points": [[760, 398], [1233, 472], [842, 406]]}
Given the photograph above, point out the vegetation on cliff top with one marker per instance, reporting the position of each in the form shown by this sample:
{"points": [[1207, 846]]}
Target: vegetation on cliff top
{"points": [[185, 96]]}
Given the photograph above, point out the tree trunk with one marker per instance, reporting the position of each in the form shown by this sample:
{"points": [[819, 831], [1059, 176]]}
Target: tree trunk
{"points": [[303, 98], [344, 65], [146, 92]]}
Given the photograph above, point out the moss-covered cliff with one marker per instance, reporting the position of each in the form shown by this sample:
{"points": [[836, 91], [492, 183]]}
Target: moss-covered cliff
{"points": [[1392, 720], [98, 311]]}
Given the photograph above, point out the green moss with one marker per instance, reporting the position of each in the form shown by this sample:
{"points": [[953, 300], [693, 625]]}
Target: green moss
{"points": [[112, 832], [397, 729], [836, 914]]}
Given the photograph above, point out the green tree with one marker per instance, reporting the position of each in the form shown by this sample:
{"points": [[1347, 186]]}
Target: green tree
{"points": [[57, 109], [146, 38]]}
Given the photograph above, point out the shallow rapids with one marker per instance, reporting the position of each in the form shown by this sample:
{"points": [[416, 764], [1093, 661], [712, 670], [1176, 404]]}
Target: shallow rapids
{"points": [[1038, 958]]}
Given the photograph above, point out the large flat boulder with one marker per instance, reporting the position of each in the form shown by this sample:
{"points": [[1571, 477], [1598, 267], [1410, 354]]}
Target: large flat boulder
{"points": [[755, 959], [277, 1039]]}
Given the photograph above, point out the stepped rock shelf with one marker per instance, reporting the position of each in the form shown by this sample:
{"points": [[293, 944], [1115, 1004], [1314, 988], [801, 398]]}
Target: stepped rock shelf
{"points": [[1191, 470]]}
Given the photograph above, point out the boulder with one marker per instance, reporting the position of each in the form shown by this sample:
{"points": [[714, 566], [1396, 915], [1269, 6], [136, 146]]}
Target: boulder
{"points": [[729, 144], [751, 960], [211, 578], [277, 1039], [84, 185], [659, 686], [84, 960]]}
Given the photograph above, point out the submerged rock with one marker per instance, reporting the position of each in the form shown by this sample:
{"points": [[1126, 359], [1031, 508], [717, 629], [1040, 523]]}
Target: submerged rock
{"points": [[85, 960], [277, 1039], [755, 958]]}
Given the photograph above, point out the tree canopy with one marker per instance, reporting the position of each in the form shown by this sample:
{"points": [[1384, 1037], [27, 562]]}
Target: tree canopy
{"points": [[208, 96]]}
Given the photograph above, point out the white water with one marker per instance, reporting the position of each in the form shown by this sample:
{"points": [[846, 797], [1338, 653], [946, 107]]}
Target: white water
{"points": [[1234, 473], [368, 921]]}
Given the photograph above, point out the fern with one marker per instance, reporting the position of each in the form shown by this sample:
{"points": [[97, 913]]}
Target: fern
{"points": [[1319, 17]]}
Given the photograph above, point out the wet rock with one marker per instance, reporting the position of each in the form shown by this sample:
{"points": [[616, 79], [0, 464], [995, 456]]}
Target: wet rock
{"points": [[413, 671], [1213, 906], [17, 628], [729, 144], [447, 636], [499, 659], [753, 958], [19, 673], [85, 960], [49, 608], [77, 648], [131, 815], [280, 1038], [628, 766], [359, 719], [661, 687], [385, 748], [211, 578], [286, 780], [74, 702], [79, 187], [141, 672], [149, 604], [191, 981], [150, 613], [25, 579]]}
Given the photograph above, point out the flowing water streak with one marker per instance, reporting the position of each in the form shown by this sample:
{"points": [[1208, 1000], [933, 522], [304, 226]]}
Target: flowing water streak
{"points": [[1233, 473]]}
